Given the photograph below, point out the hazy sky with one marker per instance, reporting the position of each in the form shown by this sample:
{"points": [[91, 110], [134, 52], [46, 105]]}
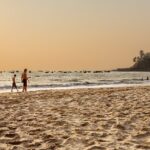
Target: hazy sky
{"points": [[72, 34]]}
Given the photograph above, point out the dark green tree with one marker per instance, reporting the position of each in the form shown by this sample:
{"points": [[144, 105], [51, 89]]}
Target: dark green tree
{"points": [[142, 53]]}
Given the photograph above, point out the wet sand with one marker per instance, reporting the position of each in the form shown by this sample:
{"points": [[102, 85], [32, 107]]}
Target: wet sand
{"points": [[79, 119]]}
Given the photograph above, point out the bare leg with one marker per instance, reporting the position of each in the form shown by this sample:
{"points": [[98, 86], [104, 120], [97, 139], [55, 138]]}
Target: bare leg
{"points": [[12, 89], [17, 89], [25, 88]]}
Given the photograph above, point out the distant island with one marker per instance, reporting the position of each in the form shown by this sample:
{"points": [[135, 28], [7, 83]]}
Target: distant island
{"points": [[141, 63]]}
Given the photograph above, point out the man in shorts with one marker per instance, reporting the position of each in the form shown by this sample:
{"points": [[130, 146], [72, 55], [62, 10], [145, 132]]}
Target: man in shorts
{"points": [[24, 79]]}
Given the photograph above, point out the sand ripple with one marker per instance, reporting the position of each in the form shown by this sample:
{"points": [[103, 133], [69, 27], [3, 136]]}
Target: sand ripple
{"points": [[83, 119]]}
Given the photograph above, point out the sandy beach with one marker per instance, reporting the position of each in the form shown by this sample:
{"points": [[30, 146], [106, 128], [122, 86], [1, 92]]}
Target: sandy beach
{"points": [[76, 119]]}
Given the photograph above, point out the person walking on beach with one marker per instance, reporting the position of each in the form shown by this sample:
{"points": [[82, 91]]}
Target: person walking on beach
{"points": [[24, 79], [14, 83]]}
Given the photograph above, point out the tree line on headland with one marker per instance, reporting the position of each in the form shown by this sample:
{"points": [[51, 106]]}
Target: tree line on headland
{"points": [[141, 63]]}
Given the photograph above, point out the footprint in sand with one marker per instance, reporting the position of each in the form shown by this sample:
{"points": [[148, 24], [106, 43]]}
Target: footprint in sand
{"points": [[96, 148], [142, 137], [142, 141], [11, 135]]}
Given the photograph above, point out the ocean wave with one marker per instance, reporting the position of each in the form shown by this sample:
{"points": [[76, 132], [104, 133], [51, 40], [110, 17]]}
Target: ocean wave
{"points": [[74, 84], [61, 80]]}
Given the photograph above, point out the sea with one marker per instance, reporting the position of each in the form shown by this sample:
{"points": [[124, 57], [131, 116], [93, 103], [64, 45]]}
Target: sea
{"points": [[45, 80]]}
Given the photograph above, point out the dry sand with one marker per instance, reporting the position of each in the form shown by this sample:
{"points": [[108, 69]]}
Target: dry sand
{"points": [[80, 119]]}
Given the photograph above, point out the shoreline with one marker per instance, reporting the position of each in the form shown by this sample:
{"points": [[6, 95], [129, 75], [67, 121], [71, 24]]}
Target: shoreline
{"points": [[80, 87]]}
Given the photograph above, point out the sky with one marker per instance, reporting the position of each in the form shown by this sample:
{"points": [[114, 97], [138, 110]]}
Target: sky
{"points": [[72, 34]]}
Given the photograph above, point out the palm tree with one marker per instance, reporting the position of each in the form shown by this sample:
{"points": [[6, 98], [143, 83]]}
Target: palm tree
{"points": [[134, 59], [138, 59], [141, 54]]}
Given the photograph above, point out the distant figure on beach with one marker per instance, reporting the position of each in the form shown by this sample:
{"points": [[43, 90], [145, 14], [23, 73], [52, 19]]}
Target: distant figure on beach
{"points": [[14, 83], [147, 78], [24, 79]]}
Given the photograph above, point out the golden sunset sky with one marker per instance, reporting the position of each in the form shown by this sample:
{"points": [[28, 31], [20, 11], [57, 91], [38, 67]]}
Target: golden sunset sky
{"points": [[72, 34]]}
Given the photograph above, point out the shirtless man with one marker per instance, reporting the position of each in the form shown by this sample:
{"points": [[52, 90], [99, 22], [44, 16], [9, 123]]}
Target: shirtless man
{"points": [[24, 79], [14, 83]]}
